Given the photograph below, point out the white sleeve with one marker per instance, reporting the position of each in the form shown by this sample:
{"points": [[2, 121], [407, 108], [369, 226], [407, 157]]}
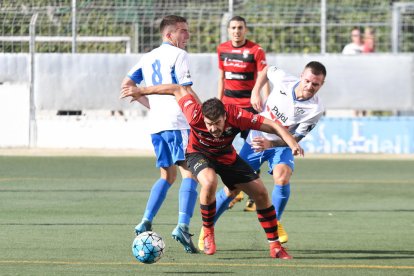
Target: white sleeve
{"points": [[277, 75], [304, 128], [135, 73], [182, 69]]}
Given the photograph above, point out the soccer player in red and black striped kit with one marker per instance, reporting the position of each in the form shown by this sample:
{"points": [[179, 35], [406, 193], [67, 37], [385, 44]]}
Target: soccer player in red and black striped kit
{"points": [[210, 152], [239, 61]]}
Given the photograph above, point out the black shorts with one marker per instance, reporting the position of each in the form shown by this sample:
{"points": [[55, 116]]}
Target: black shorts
{"points": [[244, 133], [236, 173]]}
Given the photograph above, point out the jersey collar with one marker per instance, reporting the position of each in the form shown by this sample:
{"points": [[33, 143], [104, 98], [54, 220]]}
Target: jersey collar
{"points": [[294, 94], [293, 91], [241, 46]]}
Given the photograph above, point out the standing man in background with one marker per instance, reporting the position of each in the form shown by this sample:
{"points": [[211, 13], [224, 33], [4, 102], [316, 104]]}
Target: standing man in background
{"points": [[167, 64], [239, 61]]}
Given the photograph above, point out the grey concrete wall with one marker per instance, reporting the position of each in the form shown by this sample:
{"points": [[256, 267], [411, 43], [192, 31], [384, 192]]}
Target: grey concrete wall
{"points": [[92, 81]]}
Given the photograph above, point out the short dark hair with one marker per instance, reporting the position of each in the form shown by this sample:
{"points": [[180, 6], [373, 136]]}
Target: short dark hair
{"points": [[237, 18], [213, 108], [171, 20], [316, 68], [356, 28]]}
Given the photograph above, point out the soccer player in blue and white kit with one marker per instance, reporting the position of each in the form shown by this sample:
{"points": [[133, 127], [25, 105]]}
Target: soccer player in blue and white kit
{"points": [[293, 103], [167, 64]]}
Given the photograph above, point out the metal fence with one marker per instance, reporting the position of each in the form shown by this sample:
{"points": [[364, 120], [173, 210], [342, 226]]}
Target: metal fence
{"points": [[280, 26]]}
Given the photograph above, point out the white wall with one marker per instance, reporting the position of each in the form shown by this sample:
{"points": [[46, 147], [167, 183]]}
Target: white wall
{"points": [[14, 114], [92, 81], [95, 133]]}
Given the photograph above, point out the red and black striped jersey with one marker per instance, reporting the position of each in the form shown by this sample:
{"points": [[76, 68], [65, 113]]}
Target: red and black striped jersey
{"points": [[218, 148], [240, 66]]}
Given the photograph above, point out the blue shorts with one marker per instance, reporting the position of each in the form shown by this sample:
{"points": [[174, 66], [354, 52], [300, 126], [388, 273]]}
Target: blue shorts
{"points": [[170, 146], [274, 156]]}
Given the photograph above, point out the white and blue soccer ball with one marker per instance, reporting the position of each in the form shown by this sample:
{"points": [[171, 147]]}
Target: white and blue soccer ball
{"points": [[148, 247]]}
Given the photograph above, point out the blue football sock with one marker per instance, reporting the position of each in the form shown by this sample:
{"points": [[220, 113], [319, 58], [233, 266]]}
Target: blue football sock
{"points": [[158, 193], [280, 197], [222, 203], [187, 200]]}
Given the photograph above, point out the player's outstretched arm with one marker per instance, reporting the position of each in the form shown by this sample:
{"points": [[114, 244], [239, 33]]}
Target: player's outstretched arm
{"points": [[192, 92], [261, 143], [163, 89], [129, 85], [271, 127]]}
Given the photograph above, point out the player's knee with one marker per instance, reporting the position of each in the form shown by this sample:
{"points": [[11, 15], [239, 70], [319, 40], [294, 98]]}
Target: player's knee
{"points": [[169, 174], [232, 193], [170, 179], [208, 193], [261, 198], [281, 177], [263, 194], [209, 187], [281, 180]]}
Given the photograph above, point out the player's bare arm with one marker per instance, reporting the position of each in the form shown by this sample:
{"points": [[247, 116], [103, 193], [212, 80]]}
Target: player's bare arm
{"points": [[255, 98], [163, 89], [192, 92], [271, 127], [129, 86], [220, 87], [261, 143], [265, 92]]}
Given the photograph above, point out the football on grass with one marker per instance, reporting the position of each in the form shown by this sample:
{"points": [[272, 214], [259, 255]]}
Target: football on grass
{"points": [[148, 247]]}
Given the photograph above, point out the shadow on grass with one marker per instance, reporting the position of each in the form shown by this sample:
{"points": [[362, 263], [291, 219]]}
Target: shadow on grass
{"points": [[350, 211], [197, 272], [329, 254], [356, 254]]}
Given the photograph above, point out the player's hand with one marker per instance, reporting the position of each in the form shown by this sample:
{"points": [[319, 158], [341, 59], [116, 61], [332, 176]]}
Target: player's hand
{"points": [[260, 144], [131, 91], [256, 101], [297, 150]]}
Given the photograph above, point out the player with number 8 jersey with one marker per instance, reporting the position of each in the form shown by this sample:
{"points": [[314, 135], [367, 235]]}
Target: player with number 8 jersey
{"points": [[167, 64], [164, 65]]}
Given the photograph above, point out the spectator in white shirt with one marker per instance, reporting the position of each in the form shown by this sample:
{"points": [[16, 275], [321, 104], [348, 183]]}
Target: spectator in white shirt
{"points": [[356, 46]]}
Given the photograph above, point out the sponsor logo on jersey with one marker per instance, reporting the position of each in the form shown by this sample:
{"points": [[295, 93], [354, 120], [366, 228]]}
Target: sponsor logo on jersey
{"points": [[255, 118], [245, 53], [228, 130], [282, 92], [299, 111], [234, 62], [234, 76], [187, 103], [279, 115], [228, 61], [187, 74], [202, 142]]}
